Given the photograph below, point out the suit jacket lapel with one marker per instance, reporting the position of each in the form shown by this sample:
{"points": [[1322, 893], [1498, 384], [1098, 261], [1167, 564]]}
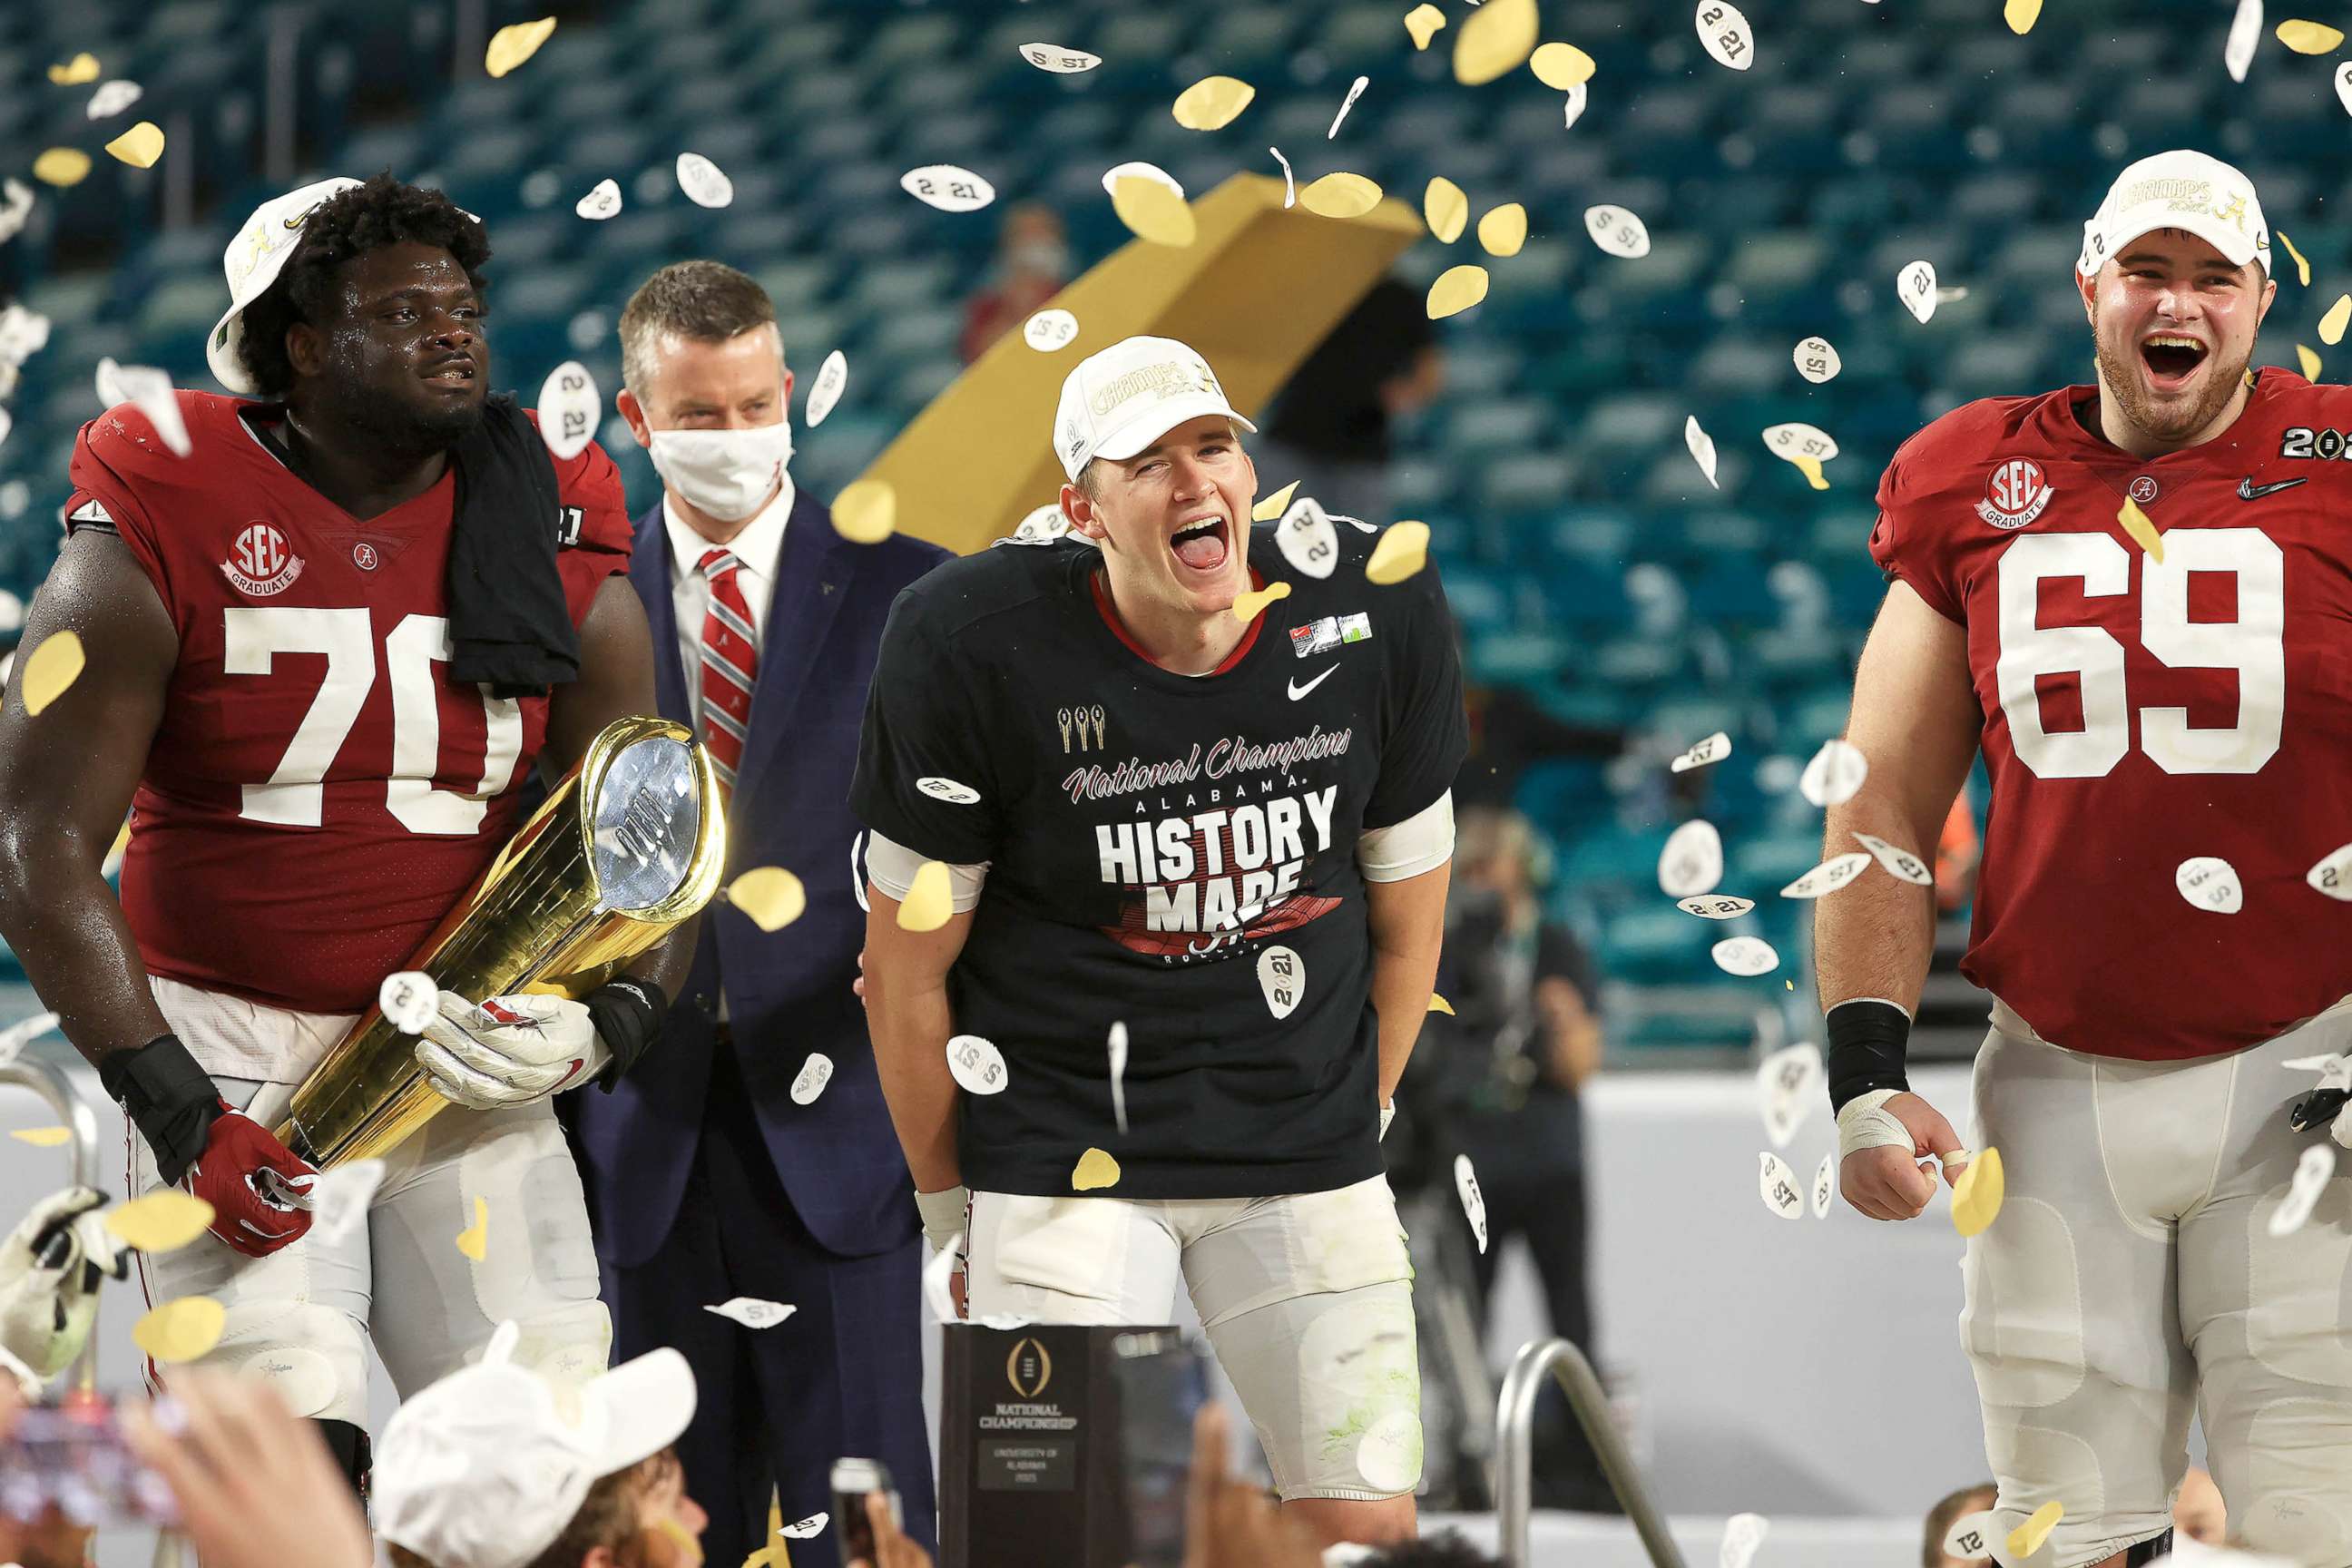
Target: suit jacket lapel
{"points": [[649, 573], [811, 579]]}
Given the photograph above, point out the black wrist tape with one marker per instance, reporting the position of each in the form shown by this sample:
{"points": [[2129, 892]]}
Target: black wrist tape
{"points": [[171, 1101], [628, 1014], [1868, 1043]]}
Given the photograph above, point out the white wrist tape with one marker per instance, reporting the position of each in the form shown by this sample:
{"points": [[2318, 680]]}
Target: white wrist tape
{"points": [[943, 1215], [1866, 1124]]}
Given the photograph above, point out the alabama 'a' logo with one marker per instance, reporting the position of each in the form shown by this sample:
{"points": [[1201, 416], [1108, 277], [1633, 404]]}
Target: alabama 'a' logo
{"points": [[260, 563], [2015, 493]]}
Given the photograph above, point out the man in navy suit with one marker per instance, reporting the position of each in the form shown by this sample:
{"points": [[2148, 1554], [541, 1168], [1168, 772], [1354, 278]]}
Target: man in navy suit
{"points": [[751, 1155]]}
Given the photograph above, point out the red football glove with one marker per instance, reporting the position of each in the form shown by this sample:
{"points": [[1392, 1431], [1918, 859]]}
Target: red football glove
{"points": [[247, 1212]]}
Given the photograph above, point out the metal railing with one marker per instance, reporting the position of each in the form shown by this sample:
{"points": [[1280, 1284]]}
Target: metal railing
{"points": [[82, 1146], [1515, 1411]]}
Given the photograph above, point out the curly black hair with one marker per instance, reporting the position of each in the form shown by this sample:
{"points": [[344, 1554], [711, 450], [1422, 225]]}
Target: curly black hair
{"points": [[368, 216]]}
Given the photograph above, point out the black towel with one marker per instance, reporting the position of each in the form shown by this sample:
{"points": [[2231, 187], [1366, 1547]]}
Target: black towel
{"points": [[509, 625]]}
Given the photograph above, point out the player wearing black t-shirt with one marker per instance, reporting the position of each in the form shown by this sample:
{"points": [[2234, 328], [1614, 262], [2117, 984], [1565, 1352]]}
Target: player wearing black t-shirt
{"points": [[1223, 842]]}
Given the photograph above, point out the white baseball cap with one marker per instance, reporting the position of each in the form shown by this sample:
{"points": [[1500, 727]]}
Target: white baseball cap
{"points": [[1121, 399], [254, 258], [2185, 190], [485, 1467]]}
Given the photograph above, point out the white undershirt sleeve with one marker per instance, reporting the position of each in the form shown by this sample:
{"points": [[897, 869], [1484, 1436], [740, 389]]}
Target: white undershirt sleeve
{"points": [[892, 865], [1421, 842]]}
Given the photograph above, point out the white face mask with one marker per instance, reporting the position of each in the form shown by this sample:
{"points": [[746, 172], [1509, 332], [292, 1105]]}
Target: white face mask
{"points": [[727, 474]]}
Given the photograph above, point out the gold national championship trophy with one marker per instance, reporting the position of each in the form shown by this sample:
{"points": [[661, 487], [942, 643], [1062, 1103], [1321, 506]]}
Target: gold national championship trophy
{"points": [[628, 847]]}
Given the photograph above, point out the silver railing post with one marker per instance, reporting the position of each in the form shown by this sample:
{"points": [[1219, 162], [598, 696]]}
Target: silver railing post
{"points": [[1515, 1411], [70, 1109]]}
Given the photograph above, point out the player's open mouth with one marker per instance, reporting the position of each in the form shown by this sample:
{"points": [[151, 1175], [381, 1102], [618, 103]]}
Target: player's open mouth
{"points": [[2172, 359], [1202, 546], [451, 373]]}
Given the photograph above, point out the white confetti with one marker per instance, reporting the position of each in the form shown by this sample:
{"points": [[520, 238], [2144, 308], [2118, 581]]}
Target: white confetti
{"points": [[1797, 439], [976, 1064], [1817, 361], [1915, 287], [1713, 749], [815, 1074], [2332, 875], [705, 184], [1829, 876], [947, 790], [600, 202], [832, 376], [1788, 1082], [857, 871], [2334, 1072], [1836, 772], [1282, 976], [2245, 35], [1060, 61], [949, 187], [2211, 882], [17, 1035], [1725, 35], [409, 1000], [339, 1199], [804, 1529], [1112, 177], [752, 1312], [1618, 232], [1692, 861], [1742, 1534], [1474, 1202], [1573, 111], [1746, 956], [149, 390], [1898, 860], [1702, 448], [2312, 1172], [1717, 906], [1389, 1456], [571, 410], [1824, 1184], [1290, 181], [1971, 1536], [1118, 1075], [1354, 93], [2343, 84], [13, 211], [113, 98], [1778, 1185], [1049, 330], [1307, 539], [937, 1276]]}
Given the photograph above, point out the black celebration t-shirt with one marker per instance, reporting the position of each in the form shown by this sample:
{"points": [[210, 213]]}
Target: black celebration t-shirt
{"points": [[1172, 853]]}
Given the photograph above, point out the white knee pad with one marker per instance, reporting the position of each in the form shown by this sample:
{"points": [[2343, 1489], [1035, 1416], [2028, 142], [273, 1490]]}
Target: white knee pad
{"points": [[1332, 1384]]}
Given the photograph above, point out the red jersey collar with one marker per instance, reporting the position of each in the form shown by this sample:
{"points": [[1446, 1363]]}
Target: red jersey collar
{"points": [[1118, 630]]}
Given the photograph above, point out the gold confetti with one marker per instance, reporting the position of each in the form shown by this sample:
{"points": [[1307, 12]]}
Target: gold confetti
{"points": [[2302, 267], [1423, 22], [164, 1221], [475, 1240], [181, 1330], [2331, 325], [1251, 603], [930, 899], [2021, 16], [2026, 1538], [62, 167], [1274, 505], [1152, 212], [1340, 195], [1491, 44], [2309, 37], [82, 67], [1445, 209], [866, 512], [140, 146], [42, 679], [1811, 467], [1456, 290], [1212, 102], [1504, 229], [1562, 66], [42, 1137], [1440, 1004], [771, 896], [1402, 551], [2143, 532], [510, 46], [2309, 361], [1095, 1170], [1976, 1202]]}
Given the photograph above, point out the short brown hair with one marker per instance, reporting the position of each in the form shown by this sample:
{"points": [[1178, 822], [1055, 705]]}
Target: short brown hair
{"points": [[1947, 1513], [706, 301]]}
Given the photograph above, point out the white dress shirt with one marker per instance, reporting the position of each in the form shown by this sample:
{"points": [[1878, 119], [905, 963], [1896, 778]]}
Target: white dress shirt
{"points": [[760, 547]]}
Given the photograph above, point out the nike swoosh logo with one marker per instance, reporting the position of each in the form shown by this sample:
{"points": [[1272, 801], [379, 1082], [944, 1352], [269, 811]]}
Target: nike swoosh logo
{"points": [[2248, 491], [1297, 691]]}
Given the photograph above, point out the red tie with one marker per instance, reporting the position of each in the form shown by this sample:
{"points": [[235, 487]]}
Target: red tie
{"points": [[730, 663]]}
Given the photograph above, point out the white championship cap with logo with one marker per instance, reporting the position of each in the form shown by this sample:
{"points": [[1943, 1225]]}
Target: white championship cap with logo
{"points": [[1121, 399], [485, 1467], [254, 258], [2189, 191]]}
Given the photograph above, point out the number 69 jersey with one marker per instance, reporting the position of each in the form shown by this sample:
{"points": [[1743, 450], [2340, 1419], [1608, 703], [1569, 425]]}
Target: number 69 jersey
{"points": [[2143, 719], [319, 793]]}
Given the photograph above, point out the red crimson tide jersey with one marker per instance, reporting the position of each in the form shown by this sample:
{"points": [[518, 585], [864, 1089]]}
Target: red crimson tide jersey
{"points": [[319, 793], [2144, 719]]}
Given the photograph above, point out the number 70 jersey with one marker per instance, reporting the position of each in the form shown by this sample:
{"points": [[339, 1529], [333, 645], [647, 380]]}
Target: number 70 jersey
{"points": [[2143, 716], [319, 793]]}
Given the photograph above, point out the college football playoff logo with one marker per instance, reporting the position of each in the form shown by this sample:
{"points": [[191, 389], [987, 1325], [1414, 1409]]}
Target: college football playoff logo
{"points": [[2015, 494], [260, 563], [1029, 1369]]}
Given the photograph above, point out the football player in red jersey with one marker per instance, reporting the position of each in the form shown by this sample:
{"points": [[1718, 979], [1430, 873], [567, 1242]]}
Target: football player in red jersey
{"points": [[2131, 595], [324, 649]]}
